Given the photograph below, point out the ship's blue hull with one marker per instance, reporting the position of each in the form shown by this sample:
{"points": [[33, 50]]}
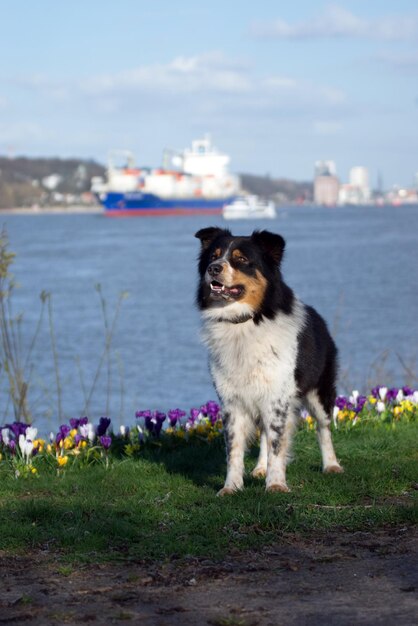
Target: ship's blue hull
{"points": [[137, 203]]}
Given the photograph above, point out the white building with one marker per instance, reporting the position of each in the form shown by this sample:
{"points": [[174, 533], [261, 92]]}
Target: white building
{"points": [[357, 191]]}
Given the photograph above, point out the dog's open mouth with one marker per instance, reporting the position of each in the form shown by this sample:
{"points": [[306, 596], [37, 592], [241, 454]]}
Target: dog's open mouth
{"points": [[218, 289]]}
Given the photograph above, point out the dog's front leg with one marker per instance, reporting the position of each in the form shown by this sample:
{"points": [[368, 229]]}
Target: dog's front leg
{"points": [[236, 433], [260, 469], [279, 424]]}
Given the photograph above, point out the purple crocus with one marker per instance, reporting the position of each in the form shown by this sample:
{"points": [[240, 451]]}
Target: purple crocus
{"points": [[407, 391], [361, 401], [391, 394], [105, 441], [341, 402], [211, 409], [101, 429], [375, 393], [194, 414], [76, 422], [63, 431], [154, 422], [18, 428], [78, 438], [174, 416]]}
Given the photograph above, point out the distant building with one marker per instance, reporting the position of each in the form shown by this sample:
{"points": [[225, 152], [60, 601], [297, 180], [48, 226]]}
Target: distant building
{"points": [[357, 190], [326, 189]]}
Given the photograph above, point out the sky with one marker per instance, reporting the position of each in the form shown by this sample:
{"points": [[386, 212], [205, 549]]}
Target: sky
{"points": [[278, 85]]}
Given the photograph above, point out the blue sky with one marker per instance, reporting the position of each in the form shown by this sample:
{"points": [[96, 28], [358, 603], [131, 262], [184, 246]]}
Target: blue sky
{"points": [[277, 84]]}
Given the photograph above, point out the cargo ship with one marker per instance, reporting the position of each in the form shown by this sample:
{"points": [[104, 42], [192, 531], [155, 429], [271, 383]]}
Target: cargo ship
{"points": [[192, 181]]}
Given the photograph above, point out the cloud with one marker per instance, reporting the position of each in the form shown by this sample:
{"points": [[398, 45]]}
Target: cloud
{"points": [[215, 82], [207, 72], [337, 22], [404, 62], [326, 127]]}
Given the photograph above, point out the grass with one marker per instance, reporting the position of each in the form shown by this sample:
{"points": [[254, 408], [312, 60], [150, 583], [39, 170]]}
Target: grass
{"points": [[162, 504]]}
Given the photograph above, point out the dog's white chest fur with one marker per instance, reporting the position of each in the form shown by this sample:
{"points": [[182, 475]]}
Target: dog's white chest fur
{"points": [[254, 363]]}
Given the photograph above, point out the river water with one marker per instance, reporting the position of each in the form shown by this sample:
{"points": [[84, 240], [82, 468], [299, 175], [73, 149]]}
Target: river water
{"points": [[357, 266]]}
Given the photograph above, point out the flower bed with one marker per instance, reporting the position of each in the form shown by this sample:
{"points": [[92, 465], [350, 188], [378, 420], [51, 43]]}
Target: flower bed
{"points": [[80, 442]]}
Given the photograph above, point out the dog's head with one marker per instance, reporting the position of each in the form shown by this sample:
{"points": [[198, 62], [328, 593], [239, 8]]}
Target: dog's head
{"points": [[239, 276]]}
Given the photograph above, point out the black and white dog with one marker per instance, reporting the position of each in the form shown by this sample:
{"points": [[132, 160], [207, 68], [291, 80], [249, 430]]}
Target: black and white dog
{"points": [[269, 353]]}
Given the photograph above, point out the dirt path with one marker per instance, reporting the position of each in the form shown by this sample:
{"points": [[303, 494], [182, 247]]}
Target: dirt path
{"points": [[340, 579]]}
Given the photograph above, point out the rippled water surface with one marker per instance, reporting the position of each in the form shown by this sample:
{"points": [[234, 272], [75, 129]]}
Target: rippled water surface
{"points": [[357, 266]]}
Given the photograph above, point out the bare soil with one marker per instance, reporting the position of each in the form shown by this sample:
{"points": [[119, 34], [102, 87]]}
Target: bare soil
{"points": [[338, 578]]}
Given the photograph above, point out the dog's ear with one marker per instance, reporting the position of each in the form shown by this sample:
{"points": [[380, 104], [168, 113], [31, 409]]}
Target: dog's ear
{"points": [[207, 235], [271, 244]]}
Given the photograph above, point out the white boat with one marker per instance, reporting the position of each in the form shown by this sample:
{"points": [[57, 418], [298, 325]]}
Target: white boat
{"points": [[249, 207]]}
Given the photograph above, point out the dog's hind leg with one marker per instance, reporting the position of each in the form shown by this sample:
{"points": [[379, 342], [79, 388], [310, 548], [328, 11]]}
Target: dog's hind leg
{"points": [[329, 460], [237, 428]]}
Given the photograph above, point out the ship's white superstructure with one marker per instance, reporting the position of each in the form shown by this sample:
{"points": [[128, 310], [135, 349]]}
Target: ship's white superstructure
{"points": [[199, 172]]}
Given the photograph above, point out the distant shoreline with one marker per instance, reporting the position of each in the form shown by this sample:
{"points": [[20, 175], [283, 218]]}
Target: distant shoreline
{"points": [[53, 210]]}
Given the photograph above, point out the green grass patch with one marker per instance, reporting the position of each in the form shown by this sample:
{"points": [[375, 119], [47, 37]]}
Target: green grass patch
{"points": [[162, 504]]}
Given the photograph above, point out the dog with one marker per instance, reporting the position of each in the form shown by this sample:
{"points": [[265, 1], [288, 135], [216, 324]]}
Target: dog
{"points": [[269, 354]]}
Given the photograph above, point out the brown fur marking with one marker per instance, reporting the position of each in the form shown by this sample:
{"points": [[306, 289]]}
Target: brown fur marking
{"points": [[255, 288]]}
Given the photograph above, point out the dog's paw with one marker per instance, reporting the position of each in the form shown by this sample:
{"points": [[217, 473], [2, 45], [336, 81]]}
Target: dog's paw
{"points": [[226, 491], [278, 488], [258, 472], [333, 469]]}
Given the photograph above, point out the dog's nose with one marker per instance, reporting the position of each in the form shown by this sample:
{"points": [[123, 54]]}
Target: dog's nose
{"points": [[214, 269]]}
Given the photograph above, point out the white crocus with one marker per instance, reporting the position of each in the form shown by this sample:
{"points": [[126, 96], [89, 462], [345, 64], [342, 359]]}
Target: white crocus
{"points": [[26, 447], [335, 412], [382, 392], [354, 395], [380, 407], [91, 433], [122, 430], [400, 396], [31, 433], [5, 435]]}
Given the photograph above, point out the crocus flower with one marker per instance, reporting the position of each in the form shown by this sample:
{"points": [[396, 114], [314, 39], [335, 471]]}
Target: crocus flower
{"points": [[380, 407], [361, 401], [335, 412], [17, 428], [105, 441], [31, 433], [26, 447], [154, 424], [174, 415], [194, 415], [104, 423], [5, 436], [341, 402], [382, 392], [62, 433], [391, 394]]}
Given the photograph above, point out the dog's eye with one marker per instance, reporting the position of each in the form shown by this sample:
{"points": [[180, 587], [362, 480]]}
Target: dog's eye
{"points": [[214, 256], [242, 259]]}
